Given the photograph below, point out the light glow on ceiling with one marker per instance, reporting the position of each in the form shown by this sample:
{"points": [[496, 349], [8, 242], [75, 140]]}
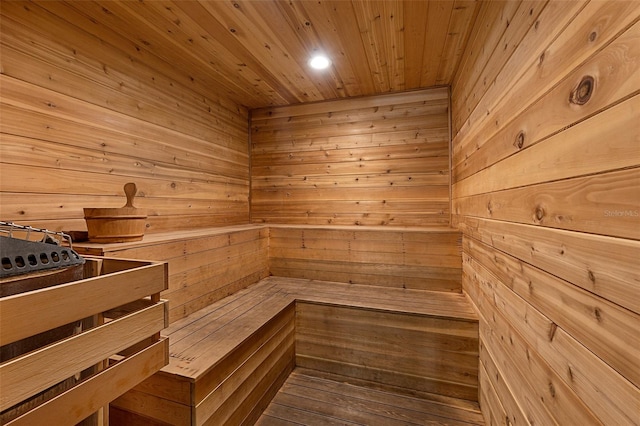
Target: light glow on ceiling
{"points": [[319, 62]]}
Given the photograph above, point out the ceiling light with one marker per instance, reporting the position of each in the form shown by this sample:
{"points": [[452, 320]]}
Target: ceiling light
{"points": [[319, 62]]}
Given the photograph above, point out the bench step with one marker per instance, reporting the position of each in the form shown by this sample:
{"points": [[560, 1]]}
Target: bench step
{"points": [[234, 355]]}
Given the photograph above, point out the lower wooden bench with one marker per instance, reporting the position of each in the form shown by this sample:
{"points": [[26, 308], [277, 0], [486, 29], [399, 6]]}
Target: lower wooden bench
{"points": [[228, 360]]}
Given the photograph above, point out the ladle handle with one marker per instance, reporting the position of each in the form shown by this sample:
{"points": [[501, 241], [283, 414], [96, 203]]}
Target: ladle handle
{"points": [[130, 191]]}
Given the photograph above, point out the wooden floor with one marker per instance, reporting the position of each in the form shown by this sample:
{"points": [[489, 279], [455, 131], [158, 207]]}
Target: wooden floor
{"points": [[312, 398]]}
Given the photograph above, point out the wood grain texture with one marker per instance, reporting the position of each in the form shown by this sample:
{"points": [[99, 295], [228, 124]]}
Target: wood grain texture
{"points": [[91, 99], [606, 392], [255, 53], [205, 265], [117, 318], [313, 397], [229, 359], [575, 257], [372, 346], [34, 314], [544, 57], [545, 171], [369, 161], [387, 257], [84, 110], [494, 28], [38, 370], [613, 71], [98, 391]]}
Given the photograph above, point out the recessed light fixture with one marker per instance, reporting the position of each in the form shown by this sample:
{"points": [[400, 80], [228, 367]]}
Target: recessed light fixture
{"points": [[319, 62]]}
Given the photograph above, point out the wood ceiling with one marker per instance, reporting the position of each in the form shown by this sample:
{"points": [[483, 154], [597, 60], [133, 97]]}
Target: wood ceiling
{"points": [[256, 52]]}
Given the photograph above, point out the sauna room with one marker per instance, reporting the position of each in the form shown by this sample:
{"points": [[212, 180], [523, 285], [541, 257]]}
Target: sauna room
{"points": [[327, 212]]}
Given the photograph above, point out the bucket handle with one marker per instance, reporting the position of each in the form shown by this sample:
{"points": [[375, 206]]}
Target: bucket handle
{"points": [[130, 190]]}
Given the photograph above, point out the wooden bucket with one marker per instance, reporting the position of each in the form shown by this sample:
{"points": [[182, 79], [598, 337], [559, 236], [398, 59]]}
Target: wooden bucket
{"points": [[117, 225]]}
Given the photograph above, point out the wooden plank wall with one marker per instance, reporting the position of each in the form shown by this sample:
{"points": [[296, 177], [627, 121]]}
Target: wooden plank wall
{"points": [[413, 258], [379, 160], [204, 265], [85, 110], [546, 188]]}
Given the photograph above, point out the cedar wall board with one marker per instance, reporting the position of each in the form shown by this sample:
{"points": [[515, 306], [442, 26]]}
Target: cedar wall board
{"points": [[546, 189], [85, 110], [411, 258], [380, 160], [205, 265]]}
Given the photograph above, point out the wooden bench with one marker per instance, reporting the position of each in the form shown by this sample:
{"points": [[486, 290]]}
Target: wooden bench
{"points": [[206, 265], [233, 342], [229, 359]]}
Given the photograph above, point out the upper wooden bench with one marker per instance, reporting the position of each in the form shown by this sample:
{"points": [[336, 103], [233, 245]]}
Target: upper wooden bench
{"points": [[229, 359], [206, 265]]}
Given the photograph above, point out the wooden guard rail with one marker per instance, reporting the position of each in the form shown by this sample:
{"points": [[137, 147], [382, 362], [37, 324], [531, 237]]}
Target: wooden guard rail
{"points": [[120, 345]]}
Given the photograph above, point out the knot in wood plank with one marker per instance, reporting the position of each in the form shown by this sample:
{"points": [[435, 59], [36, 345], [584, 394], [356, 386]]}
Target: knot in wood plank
{"points": [[582, 93]]}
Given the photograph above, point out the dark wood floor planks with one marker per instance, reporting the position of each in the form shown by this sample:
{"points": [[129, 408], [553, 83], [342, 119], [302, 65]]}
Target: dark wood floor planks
{"points": [[313, 398]]}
